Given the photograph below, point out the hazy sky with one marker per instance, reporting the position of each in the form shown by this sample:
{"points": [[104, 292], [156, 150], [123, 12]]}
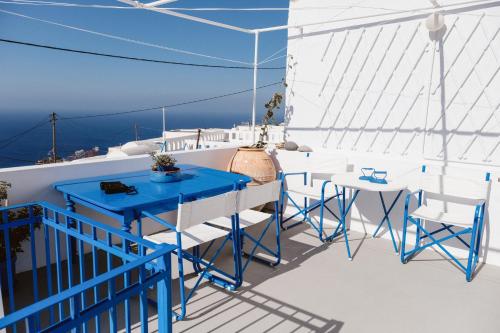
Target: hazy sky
{"points": [[41, 80]]}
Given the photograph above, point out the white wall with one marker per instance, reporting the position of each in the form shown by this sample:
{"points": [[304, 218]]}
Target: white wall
{"points": [[363, 93], [34, 183]]}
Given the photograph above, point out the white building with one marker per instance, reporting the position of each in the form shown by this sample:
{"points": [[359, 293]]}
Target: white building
{"points": [[380, 91], [242, 134]]}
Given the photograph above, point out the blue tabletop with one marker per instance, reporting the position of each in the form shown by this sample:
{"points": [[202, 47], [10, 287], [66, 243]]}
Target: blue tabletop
{"points": [[195, 182]]}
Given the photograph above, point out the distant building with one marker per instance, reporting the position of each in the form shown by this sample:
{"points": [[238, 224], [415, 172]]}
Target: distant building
{"points": [[242, 134]]}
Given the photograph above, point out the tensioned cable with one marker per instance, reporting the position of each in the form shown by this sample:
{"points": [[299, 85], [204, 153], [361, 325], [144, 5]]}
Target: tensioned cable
{"points": [[267, 59], [171, 105], [67, 4], [56, 48], [123, 39]]}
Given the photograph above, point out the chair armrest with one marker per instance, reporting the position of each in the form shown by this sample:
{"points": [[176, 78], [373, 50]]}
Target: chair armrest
{"points": [[408, 198], [284, 175], [326, 182]]}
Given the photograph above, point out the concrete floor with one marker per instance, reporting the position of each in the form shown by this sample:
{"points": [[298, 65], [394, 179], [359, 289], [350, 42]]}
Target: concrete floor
{"points": [[316, 289]]}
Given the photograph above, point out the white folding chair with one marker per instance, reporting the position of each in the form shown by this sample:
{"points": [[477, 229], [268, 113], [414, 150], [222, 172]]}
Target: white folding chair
{"points": [[191, 232], [451, 202], [316, 185], [250, 197]]}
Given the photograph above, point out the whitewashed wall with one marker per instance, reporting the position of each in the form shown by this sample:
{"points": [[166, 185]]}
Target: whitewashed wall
{"points": [[34, 183], [363, 93]]}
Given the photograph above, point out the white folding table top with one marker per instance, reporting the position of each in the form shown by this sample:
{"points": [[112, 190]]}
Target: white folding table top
{"points": [[351, 180]]}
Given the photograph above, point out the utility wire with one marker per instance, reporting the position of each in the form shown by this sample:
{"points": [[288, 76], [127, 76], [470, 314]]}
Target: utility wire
{"points": [[171, 105], [15, 159], [8, 141], [123, 39], [56, 48]]}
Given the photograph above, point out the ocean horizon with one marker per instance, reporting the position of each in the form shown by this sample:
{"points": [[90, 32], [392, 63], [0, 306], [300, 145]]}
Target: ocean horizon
{"points": [[86, 133]]}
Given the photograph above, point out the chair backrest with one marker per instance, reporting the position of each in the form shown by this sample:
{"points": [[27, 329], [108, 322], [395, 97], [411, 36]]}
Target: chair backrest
{"points": [[453, 186], [197, 212], [322, 167], [254, 196]]}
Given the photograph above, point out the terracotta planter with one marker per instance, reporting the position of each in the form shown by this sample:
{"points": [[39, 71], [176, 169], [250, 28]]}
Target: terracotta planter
{"points": [[255, 163]]}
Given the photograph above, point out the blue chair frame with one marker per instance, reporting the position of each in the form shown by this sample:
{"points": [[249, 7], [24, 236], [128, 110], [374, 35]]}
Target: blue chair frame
{"points": [[201, 266], [304, 211], [67, 305], [475, 233], [258, 242]]}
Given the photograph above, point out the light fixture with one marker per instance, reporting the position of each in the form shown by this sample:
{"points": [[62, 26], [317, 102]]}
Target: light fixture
{"points": [[435, 22]]}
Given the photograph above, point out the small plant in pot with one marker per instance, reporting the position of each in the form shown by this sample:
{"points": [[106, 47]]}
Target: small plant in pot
{"points": [[163, 169], [17, 235], [4, 187], [253, 160]]}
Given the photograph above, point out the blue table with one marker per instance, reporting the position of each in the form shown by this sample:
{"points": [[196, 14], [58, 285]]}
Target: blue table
{"points": [[196, 182]]}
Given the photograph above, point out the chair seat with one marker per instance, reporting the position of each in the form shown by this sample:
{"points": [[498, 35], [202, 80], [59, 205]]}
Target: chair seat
{"points": [[436, 215], [248, 218], [313, 192], [191, 237]]}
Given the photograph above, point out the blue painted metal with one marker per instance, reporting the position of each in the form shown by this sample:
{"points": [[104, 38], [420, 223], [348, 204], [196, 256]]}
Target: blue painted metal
{"points": [[201, 266], [257, 242], [307, 207], [473, 245], [196, 182], [386, 218], [72, 286], [341, 201]]}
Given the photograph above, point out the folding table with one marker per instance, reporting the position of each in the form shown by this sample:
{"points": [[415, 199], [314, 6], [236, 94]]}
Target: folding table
{"points": [[155, 198], [352, 181], [196, 182]]}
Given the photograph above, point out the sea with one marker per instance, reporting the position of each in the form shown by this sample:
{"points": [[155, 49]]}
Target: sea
{"points": [[21, 144]]}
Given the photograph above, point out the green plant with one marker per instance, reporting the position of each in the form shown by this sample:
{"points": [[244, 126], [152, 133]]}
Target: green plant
{"points": [[19, 234], [164, 162], [4, 186], [274, 103]]}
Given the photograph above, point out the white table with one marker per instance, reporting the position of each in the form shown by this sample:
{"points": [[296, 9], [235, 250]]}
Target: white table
{"points": [[352, 181]]}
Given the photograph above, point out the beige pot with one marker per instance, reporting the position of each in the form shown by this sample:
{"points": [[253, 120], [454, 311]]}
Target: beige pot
{"points": [[255, 163]]}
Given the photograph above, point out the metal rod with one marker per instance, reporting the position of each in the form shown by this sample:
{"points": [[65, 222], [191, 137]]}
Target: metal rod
{"points": [[164, 122], [53, 119], [254, 101]]}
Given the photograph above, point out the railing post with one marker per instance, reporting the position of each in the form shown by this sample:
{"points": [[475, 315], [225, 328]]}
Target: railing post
{"points": [[163, 296]]}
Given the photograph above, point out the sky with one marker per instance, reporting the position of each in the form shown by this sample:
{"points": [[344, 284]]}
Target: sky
{"points": [[36, 80]]}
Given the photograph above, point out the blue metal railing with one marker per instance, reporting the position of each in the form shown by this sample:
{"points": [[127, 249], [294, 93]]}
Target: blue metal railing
{"points": [[76, 291]]}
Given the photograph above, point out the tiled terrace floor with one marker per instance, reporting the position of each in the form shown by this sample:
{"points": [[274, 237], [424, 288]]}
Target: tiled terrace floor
{"points": [[317, 289]]}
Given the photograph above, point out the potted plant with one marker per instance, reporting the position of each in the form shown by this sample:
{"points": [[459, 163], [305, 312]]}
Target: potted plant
{"points": [[163, 169], [17, 235], [4, 187], [253, 160]]}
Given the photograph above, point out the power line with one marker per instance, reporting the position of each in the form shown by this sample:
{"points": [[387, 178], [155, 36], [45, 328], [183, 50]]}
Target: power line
{"points": [[56, 48], [123, 39], [8, 141], [171, 105], [15, 159]]}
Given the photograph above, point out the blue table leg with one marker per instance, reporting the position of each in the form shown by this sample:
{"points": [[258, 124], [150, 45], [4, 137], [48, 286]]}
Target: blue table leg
{"points": [[344, 211], [386, 218]]}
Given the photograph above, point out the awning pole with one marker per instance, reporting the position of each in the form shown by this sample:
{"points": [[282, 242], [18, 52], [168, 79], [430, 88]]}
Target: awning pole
{"points": [[164, 126], [254, 106]]}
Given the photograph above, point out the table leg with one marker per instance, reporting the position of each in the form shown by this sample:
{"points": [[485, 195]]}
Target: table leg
{"points": [[70, 206], [344, 211], [386, 218]]}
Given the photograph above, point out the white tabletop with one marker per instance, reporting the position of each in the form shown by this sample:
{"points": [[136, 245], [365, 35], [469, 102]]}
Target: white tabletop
{"points": [[351, 180]]}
